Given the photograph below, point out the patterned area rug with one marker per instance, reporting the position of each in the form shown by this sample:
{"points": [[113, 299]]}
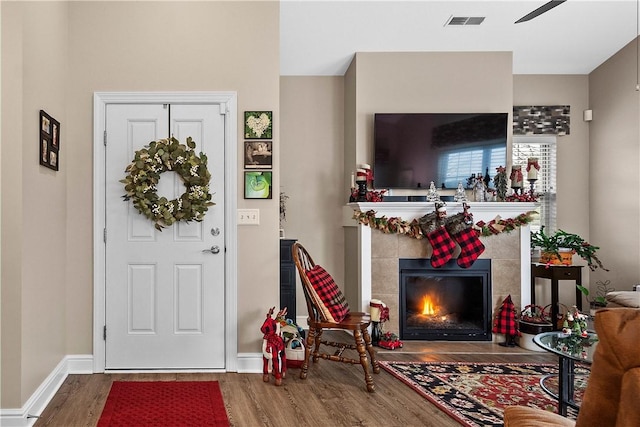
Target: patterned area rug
{"points": [[475, 394], [164, 403]]}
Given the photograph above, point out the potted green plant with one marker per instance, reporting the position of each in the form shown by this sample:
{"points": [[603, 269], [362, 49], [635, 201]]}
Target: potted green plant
{"points": [[599, 301], [283, 211], [568, 243]]}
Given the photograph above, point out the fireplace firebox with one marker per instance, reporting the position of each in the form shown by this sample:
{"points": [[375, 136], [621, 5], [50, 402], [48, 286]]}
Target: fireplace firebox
{"points": [[448, 303]]}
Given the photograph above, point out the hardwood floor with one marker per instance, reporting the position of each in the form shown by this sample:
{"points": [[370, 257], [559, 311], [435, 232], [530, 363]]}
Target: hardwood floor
{"points": [[334, 394]]}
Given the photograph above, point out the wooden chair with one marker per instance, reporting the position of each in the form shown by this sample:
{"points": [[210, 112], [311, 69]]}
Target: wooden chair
{"points": [[354, 321]]}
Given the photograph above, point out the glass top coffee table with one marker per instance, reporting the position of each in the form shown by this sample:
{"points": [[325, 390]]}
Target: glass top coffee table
{"points": [[569, 349]]}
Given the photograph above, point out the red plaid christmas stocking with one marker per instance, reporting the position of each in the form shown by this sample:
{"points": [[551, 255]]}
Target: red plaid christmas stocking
{"points": [[441, 242], [460, 229]]}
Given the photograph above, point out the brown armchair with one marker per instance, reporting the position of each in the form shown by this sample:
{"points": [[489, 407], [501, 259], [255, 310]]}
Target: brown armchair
{"points": [[612, 396]]}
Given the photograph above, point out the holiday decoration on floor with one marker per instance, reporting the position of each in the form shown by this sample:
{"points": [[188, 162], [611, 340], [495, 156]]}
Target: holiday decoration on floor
{"points": [[460, 228], [390, 341], [433, 227], [505, 323], [273, 349], [379, 314], [293, 337]]}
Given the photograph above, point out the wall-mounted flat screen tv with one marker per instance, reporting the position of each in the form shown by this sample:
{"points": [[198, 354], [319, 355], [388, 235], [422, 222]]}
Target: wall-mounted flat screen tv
{"points": [[413, 149]]}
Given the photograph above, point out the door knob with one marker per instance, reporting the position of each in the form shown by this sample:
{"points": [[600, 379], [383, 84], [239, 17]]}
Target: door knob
{"points": [[213, 250]]}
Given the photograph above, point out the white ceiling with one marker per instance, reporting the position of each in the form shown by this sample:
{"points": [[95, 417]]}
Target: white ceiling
{"points": [[320, 37]]}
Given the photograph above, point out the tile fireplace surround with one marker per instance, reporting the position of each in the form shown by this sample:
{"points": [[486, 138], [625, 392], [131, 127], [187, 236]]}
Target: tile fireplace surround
{"points": [[378, 253]]}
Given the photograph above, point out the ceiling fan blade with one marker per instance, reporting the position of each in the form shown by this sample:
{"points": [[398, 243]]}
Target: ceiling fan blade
{"points": [[539, 11]]}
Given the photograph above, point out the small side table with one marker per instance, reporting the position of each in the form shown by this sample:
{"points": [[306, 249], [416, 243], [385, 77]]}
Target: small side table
{"points": [[569, 349], [556, 273]]}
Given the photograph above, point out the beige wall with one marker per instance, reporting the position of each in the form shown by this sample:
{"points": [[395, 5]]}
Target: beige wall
{"points": [[573, 193], [311, 171], [34, 58], [614, 168], [55, 55]]}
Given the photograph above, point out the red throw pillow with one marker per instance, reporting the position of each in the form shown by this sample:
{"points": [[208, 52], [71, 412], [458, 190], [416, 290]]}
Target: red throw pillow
{"points": [[335, 307]]}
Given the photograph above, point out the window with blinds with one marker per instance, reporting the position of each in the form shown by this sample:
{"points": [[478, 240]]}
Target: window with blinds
{"points": [[544, 148], [456, 166]]}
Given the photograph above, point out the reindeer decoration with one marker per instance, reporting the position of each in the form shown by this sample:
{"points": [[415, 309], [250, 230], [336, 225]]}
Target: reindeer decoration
{"points": [[273, 347]]}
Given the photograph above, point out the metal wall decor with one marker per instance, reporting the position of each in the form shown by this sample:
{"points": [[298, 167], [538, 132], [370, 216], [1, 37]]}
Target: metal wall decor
{"points": [[541, 120]]}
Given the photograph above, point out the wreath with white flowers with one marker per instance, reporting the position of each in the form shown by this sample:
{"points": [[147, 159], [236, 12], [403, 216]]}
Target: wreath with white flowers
{"points": [[143, 175]]}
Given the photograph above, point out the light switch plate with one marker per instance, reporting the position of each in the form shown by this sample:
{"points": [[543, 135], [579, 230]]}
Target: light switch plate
{"points": [[248, 216]]}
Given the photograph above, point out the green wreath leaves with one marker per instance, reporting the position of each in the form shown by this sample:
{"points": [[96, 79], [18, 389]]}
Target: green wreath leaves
{"points": [[143, 175]]}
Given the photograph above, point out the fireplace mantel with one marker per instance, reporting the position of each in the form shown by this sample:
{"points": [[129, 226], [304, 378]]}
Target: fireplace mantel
{"points": [[485, 211]]}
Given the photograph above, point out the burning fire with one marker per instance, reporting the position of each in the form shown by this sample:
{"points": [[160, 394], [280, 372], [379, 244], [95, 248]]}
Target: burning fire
{"points": [[429, 306]]}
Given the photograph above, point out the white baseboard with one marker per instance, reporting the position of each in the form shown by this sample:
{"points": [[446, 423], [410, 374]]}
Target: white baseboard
{"points": [[28, 414], [249, 363], [301, 321]]}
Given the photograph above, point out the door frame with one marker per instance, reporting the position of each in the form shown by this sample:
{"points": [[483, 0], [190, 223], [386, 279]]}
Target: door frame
{"points": [[229, 101]]}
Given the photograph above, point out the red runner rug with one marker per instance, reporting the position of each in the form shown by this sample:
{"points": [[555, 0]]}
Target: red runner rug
{"points": [[475, 394], [164, 403]]}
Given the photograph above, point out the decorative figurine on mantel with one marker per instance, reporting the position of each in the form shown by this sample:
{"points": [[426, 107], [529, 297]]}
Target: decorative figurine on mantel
{"points": [[353, 195], [500, 180], [364, 179], [532, 172], [461, 195], [432, 195], [516, 178], [361, 180], [479, 189]]}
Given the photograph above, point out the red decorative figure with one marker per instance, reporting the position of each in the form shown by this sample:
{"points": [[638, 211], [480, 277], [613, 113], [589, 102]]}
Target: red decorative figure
{"points": [[273, 348], [505, 323]]}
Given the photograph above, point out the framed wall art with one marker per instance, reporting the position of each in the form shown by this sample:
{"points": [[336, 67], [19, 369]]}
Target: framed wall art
{"points": [[257, 184], [49, 141], [258, 124], [258, 154]]}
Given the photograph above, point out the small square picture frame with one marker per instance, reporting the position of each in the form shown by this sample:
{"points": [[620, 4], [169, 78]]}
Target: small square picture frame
{"points": [[258, 124], [258, 154], [257, 184], [49, 141]]}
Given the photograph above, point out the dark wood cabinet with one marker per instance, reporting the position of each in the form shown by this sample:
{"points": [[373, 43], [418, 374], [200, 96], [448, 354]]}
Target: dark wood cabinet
{"points": [[288, 275]]}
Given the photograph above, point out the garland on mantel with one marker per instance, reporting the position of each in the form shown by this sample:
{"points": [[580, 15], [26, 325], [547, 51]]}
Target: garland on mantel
{"points": [[395, 225]]}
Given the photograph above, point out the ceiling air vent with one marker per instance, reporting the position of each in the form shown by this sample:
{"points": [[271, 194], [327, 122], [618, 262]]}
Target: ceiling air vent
{"points": [[465, 20]]}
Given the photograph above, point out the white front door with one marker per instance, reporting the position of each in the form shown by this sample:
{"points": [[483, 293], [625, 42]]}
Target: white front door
{"points": [[164, 290]]}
